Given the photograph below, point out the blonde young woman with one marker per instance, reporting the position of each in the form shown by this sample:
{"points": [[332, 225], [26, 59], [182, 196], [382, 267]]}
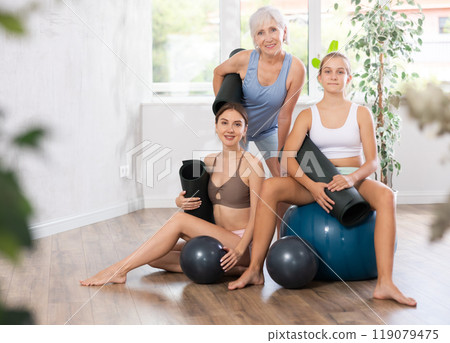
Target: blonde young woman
{"points": [[272, 83], [235, 181], [344, 132]]}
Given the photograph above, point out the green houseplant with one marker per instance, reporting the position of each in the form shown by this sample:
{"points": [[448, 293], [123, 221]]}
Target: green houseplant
{"points": [[384, 40], [15, 208]]}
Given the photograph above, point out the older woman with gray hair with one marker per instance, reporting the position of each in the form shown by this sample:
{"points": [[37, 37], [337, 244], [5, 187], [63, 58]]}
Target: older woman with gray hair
{"points": [[272, 83]]}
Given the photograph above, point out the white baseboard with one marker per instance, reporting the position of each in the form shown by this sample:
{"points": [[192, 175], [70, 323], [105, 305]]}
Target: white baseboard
{"points": [[159, 203], [64, 224], [421, 197], [69, 223]]}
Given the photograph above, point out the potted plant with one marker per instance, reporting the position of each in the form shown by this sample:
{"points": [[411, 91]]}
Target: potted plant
{"points": [[384, 39], [15, 208]]}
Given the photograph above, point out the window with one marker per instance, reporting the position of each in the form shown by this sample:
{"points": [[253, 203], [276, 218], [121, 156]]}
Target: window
{"points": [[186, 46], [432, 62], [190, 41], [444, 25]]}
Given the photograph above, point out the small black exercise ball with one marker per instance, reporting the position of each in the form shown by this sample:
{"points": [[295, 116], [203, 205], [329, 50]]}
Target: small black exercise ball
{"points": [[292, 262], [200, 259]]}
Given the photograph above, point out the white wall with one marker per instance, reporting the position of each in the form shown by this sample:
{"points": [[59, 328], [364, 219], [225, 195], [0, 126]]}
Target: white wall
{"points": [[81, 73], [74, 73], [423, 179]]}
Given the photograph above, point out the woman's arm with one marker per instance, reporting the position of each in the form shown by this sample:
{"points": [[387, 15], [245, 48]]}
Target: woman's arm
{"points": [[187, 204], [256, 179], [236, 64], [294, 141], [369, 144], [295, 82]]}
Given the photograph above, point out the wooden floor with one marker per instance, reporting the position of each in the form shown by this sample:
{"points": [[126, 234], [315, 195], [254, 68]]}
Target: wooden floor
{"points": [[46, 282]]}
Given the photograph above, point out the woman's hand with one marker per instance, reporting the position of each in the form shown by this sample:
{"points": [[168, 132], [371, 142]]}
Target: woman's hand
{"points": [[187, 203], [318, 192], [340, 182], [230, 259]]}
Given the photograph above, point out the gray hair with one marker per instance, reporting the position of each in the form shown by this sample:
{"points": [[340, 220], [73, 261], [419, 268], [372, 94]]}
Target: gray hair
{"points": [[265, 14]]}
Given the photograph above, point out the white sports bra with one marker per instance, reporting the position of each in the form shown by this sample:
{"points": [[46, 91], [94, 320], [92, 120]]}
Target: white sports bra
{"points": [[342, 142]]}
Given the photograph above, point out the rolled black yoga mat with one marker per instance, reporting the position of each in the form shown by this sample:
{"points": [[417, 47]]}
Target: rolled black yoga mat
{"points": [[194, 180], [350, 208], [230, 90]]}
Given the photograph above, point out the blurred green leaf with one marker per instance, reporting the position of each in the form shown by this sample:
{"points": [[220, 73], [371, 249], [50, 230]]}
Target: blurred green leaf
{"points": [[315, 63], [31, 138], [336, 6], [15, 211], [334, 45], [15, 317], [11, 23]]}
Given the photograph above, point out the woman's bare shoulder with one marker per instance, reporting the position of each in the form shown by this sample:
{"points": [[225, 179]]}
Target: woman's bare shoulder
{"points": [[242, 57], [363, 114], [304, 116], [297, 63], [209, 159], [253, 164]]}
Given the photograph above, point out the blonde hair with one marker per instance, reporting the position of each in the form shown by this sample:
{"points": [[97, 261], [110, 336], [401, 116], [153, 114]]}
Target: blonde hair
{"points": [[333, 55], [263, 15]]}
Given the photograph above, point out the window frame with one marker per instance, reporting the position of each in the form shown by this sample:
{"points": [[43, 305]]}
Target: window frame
{"points": [[230, 38]]}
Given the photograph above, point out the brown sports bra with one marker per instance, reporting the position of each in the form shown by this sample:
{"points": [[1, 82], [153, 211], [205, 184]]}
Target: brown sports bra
{"points": [[233, 193]]}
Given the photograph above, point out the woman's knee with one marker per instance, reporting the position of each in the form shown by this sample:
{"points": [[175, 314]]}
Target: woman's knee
{"points": [[385, 198], [179, 216], [271, 189], [154, 264], [177, 220]]}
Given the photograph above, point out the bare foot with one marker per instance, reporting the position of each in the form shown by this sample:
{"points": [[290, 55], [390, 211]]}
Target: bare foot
{"points": [[249, 277], [108, 275], [390, 291]]}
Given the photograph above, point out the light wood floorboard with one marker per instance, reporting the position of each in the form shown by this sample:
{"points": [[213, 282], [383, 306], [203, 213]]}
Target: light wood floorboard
{"points": [[46, 282]]}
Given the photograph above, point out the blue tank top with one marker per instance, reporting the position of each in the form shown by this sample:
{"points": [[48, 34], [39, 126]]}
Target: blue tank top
{"points": [[263, 103]]}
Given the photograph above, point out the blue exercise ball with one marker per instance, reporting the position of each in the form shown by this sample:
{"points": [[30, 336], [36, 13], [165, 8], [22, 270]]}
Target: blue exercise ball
{"points": [[346, 253], [292, 262], [200, 259]]}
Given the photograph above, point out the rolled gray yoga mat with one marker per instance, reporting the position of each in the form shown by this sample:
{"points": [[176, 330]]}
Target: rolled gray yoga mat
{"points": [[194, 180], [350, 208], [230, 90]]}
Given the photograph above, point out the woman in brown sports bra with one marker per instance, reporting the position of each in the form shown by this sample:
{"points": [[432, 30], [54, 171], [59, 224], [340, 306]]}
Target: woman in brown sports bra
{"points": [[235, 182]]}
